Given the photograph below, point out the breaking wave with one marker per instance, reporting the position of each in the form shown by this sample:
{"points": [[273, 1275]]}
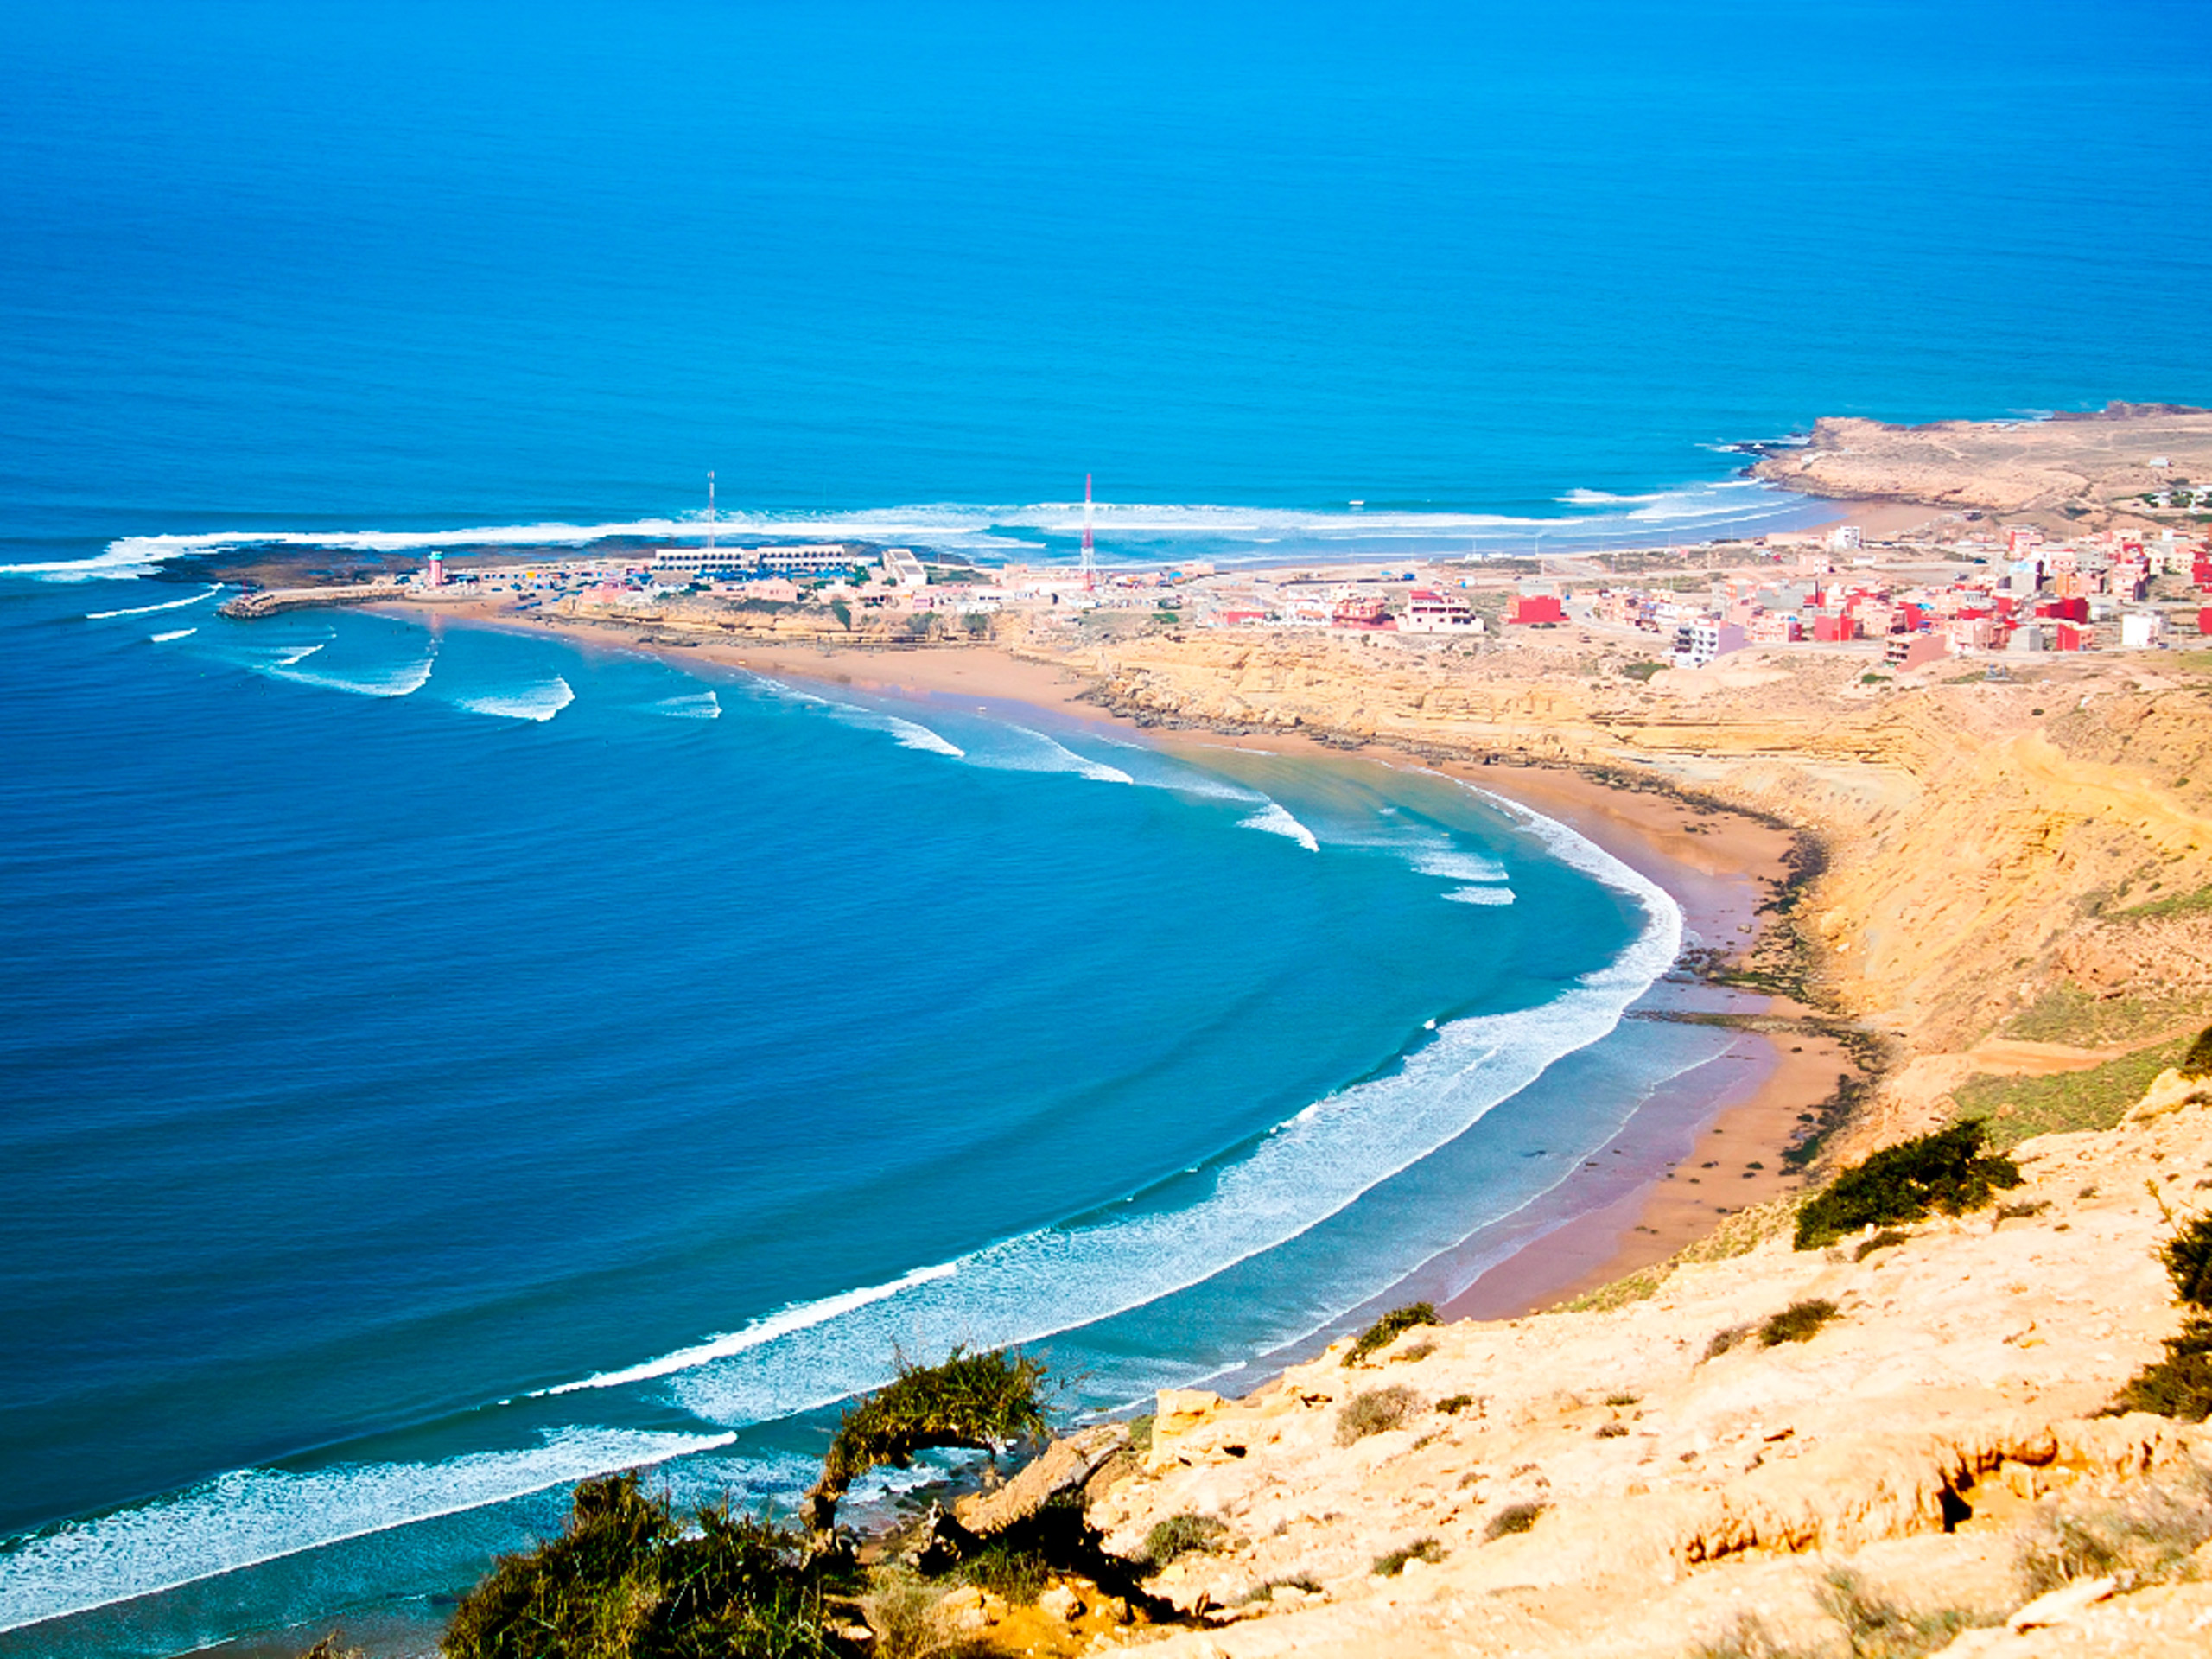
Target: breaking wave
{"points": [[253, 1515], [166, 605], [120, 561], [703, 705], [1146, 531], [1190, 1228], [1275, 820], [538, 702]]}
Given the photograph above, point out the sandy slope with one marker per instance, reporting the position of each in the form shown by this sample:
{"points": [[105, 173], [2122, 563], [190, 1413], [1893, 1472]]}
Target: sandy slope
{"points": [[1923, 1440]]}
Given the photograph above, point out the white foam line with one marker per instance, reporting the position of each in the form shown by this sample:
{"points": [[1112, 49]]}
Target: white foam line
{"points": [[148, 610], [913, 735], [1308, 1169], [1097, 771], [799, 1316], [703, 705], [401, 682], [116, 563], [250, 1516], [909, 734], [539, 702], [974, 526], [1480, 895], [173, 634], [1274, 820]]}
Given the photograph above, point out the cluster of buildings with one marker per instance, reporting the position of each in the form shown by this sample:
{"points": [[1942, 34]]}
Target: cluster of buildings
{"points": [[2027, 595]]}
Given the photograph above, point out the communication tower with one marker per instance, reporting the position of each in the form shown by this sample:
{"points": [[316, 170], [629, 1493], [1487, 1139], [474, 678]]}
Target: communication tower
{"points": [[710, 512], [1090, 562]]}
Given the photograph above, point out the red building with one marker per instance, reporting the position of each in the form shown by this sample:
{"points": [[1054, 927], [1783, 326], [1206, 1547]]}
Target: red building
{"points": [[1536, 610]]}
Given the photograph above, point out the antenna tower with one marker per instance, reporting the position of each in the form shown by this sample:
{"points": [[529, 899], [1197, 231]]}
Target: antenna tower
{"points": [[710, 512], [1089, 563]]}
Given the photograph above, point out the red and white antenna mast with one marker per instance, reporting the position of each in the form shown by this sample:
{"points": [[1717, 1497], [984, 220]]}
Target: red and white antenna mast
{"points": [[1090, 562]]}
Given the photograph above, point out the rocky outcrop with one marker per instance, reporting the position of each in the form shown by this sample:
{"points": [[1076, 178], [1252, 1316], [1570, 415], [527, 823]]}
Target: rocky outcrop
{"points": [[2083, 466], [1616, 1482]]}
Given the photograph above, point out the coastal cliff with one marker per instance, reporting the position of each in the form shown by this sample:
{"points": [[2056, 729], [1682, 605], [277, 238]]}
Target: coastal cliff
{"points": [[2082, 467], [1892, 1445]]}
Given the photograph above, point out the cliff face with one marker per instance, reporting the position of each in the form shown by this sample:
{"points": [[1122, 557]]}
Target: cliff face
{"points": [[1636, 1481], [2082, 465]]}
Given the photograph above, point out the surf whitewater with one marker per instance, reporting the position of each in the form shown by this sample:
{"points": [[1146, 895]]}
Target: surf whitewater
{"points": [[699, 1065]]}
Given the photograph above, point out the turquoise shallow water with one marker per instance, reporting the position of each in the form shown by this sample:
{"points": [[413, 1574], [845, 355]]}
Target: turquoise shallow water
{"points": [[439, 1064], [449, 1062]]}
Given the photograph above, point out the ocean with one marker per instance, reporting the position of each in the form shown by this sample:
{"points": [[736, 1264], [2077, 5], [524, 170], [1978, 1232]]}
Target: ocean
{"points": [[442, 1063]]}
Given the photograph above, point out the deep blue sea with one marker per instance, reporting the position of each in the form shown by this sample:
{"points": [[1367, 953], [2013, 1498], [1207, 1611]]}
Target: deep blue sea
{"points": [[436, 1065]]}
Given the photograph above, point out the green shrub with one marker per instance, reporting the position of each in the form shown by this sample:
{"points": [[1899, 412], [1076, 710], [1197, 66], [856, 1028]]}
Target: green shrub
{"points": [[1015, 1571], [1877, 1628], [1373, 1412], [1724, 1341], [2197, 1063], [1387, 1328], [1746, 1636], [979, 1402], [1179, 1534], [1643, 671], [1514, 1517], [1946, 1171], [1453, 1404], [2149, 1536], [1889, 1238], [1799, 1322], [1302, 1581], [1140, 1433], [1422, 1549], [2180, 1385], [624, 1581], [2188, 1257]]}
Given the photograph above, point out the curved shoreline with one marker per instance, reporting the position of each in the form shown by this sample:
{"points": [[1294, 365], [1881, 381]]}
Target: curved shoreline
{"points": [[1722, 866]]}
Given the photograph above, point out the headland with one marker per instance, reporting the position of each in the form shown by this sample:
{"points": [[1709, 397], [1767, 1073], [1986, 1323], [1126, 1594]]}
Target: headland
{"points": [[1952, 771]]}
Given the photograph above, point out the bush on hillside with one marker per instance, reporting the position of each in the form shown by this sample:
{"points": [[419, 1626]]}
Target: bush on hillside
{"points": [[1389, 1328], [2197, 1063], [1179, 1534], [1513, 1518], [1946, 1171], [2180, 1385], [1374, 1412], [625, 1580], [1422, 1549], [1799, 1322], [979, 1402]]}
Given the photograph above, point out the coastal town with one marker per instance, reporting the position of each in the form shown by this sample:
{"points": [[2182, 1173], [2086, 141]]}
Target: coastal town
{"points": [[1956, 587]]}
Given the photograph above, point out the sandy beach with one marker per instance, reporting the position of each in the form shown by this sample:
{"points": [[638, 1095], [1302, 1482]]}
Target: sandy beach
{"points": [[1647, 1193]]}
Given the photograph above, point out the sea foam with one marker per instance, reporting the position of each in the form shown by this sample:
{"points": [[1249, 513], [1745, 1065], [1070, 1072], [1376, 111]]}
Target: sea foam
{"points": [[148, 610], [538, 702], [1267, 1193], [1275, 820], [253, 1515]]}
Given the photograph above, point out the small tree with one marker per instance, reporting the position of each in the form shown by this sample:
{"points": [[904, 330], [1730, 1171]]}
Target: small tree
{"points": [[1389, 1328], [981, 1402], [625, 1580], [1946, 1171], [2180, 1385]]}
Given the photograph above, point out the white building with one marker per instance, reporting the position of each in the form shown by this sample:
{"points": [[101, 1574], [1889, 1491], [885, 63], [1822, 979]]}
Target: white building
{"points": [[1698, 643], [2141, 630], [1434, 613]]}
